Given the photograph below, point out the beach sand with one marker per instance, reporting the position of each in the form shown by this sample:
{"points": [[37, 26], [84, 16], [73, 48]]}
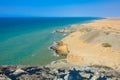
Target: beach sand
{"points": [[95, 43]]}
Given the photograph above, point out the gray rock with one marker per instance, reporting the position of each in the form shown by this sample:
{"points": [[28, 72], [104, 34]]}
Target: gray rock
{"points": [[4, 77], [66, 77], [45, 75], [85, 75], [18, 71], [113, 79], [95, 76]]}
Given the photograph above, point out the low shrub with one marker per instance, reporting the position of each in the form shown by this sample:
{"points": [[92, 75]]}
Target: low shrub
{"points": [[106, 45]]}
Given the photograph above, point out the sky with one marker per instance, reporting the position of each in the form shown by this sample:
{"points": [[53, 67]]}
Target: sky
{"points": [[59, 8]]}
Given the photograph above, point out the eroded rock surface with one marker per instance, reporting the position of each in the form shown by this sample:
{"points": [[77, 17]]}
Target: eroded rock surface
{"points": [[64, 72], [61, 48]]}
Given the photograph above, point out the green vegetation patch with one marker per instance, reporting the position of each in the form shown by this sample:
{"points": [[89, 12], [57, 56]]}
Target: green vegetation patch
{"points": [[106, 45]]}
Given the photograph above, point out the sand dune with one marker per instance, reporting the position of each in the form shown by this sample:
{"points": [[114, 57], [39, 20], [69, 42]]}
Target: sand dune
{"points": [[95, 43]]}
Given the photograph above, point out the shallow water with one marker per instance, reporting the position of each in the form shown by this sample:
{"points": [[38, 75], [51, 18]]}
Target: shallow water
{"points": [[25, 41]]}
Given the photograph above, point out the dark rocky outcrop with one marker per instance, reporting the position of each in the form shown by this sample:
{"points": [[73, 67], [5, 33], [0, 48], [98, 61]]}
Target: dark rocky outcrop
{"points": [[62, 30], [49, 73]]}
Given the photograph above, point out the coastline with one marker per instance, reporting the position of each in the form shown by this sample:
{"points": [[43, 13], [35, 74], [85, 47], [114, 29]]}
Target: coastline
{"points": [[93, 43], [84, 45], [32, 39]]}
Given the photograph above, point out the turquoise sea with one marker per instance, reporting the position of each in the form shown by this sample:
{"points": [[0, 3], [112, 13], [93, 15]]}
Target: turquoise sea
{"points": [[25, 41]]}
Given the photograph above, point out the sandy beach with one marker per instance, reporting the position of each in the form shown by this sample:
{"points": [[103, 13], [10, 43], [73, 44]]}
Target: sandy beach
{"points": [[94, 43]]}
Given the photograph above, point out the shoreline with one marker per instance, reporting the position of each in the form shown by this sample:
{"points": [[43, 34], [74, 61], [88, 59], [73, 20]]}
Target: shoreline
{"points": [[77, 44], [98, 43]]}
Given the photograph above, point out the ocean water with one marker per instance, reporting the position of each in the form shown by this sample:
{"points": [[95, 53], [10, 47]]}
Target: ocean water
{"points": [[25, 41]]}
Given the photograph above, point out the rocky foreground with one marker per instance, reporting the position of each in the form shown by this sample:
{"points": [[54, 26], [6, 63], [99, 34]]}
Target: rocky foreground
{"points": [[59, 70]]}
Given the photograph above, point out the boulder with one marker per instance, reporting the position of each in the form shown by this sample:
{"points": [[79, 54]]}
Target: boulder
{"points": [[47, 75], [61, 48], [18, 71], [85, 75], [62, 31]]}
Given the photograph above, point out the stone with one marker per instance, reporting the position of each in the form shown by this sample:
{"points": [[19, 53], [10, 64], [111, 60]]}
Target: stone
{"points": [[4, 77], [29, 77], [18, 71], [113, 79], [95, 77], [61, 70], [61, 48], [85, 75], [62, 31], [66, 77], [45, 75]]}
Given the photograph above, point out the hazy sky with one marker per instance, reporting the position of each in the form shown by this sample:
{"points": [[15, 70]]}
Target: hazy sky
{"points": [[59, 8]]}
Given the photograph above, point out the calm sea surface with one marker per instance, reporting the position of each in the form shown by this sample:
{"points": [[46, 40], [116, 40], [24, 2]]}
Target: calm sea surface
{"points": [[25, 41]]}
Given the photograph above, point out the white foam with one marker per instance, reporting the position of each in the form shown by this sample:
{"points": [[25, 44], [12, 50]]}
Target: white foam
{"points": [[53, 32], [53, 62], [55, 54], [64, 34]]}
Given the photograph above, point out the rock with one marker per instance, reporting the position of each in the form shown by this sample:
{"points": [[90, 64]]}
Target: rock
{"points": [[29, 77], [61, 76], [95, 76], [4, 77], [85, 75], [102, 78], [74, 75], [64, 72], [61, 70], [61, 48], [113, 79], [18, 71], [66, 77], [62, 31], [46, 75]]}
